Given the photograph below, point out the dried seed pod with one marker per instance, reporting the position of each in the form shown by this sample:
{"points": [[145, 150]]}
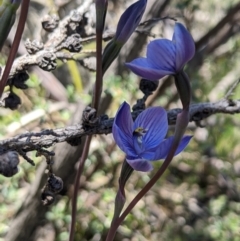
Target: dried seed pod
{"points": [[49, 23], [33, 46], [74, 141], [54, 183], [9, 163], [75, 16], [140, 106], [89, 117], [47, 197], [12, 101], [18, 80], [47, 61], [73, 43], [148, 86]]}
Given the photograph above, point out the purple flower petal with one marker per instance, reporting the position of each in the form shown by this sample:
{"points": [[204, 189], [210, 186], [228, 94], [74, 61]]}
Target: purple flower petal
{"points": [[129, 20], [185, 46], [145, 69], [154, 121], [140, 165], [149, 154], [123, 128], [162, 54], [162, 150], [124, 143], [183, 144]]}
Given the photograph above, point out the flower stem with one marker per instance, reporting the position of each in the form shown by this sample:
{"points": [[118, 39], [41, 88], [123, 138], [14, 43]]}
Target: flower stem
{"points": [[101, 8], [120, 199], [99, 74], [184, 90], [77, 184], [145, 189], [95, 104]]}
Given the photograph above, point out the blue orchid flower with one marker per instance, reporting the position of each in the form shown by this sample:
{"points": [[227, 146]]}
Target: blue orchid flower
{"points": [[143, 140], [165, 57]]}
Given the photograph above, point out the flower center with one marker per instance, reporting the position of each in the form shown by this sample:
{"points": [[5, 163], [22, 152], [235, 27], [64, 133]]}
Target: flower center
{"points": [[139, 133]]}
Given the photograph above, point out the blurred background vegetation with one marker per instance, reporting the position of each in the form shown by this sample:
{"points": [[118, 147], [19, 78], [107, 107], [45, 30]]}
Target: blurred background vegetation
{"points": [[198, 198]]}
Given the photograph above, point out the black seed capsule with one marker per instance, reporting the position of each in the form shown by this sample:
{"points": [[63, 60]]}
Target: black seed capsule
{"points": [[49, 23], [74, 141], [148, 86], [12, 101], [18, 80], [47, 198], [9, 163], [55, 184]]}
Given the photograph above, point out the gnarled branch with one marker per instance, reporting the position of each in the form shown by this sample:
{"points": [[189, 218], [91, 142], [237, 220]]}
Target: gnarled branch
{"points": [[37, 140]]}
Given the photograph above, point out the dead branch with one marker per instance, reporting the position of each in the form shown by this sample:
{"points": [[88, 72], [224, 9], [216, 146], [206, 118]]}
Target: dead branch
{"points": [[47, 138]]}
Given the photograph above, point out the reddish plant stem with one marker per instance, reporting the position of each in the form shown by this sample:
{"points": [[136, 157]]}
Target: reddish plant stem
{"points": [[77, 184], [146, 188], [95, 104], [16, 42], [99, 74], [184, 90]]}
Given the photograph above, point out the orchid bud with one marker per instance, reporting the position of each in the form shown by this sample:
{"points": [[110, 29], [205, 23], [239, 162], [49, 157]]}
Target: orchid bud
{"points": [[120, 199], [110, 53], [129, 21], [101, 9], [126, 26]]}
